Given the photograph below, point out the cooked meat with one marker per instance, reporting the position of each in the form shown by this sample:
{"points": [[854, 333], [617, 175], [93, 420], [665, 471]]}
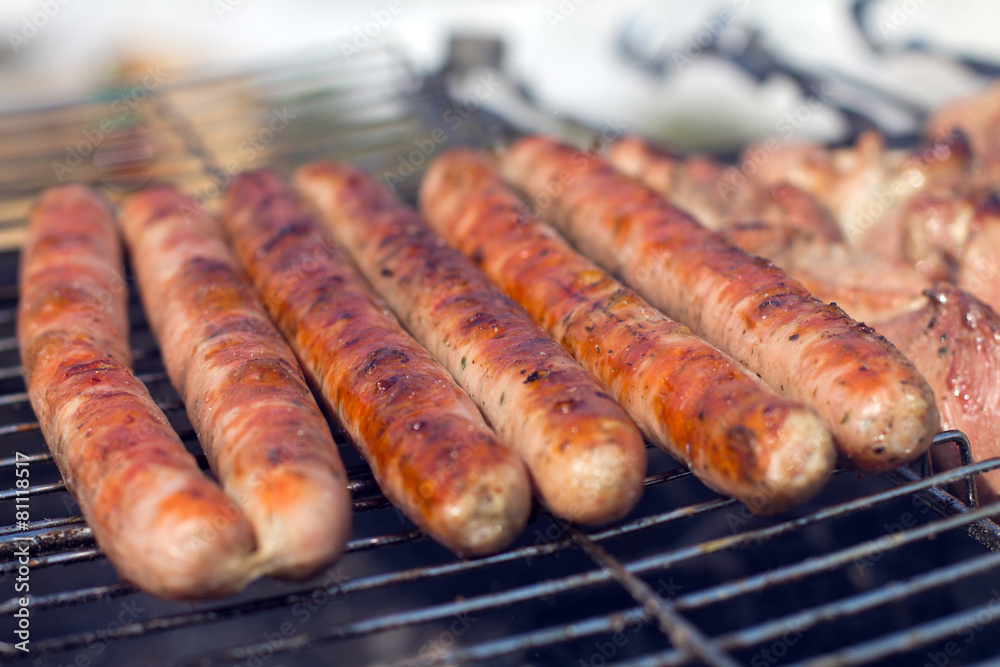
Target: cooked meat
{"points": [[585, 455], [878, 407], [427, 443], [265, 437], [733, 432], [954, 340], [164, 525]]}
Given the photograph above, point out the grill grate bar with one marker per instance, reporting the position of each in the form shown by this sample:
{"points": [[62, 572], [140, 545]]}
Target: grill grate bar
{"points": [[830, 560], [529, 552], [549, 588], [360, 481], [10, 461], [564, 584], [352, 586], [146, 378], [23, 427], [422, 615], [52, 600], [840, 608], [895, 591], [986, 532], [218, 77], [531, 640], [44, 144], [907, 640], [64, 538], [682, 633], [35, 526], [233, 611], [37, 490], [11, 372], [834, 511], [55, 559]]}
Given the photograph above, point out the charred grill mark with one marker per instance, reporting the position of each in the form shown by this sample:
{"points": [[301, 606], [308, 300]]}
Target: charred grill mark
{"points": [[296, 228], [323, 292], [254, 378], [480, 320], [535, 376], [581, 310], [58, 243], [387, 383], [161, 211], [212, 286], [383, 356], [773, 303], [105, 364], [236, 323]]}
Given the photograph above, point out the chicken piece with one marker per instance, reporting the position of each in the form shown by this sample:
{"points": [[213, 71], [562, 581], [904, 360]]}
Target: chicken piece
{"points": [[976, 118], [868, 287], [717, 195], [867, 187], [954, 340]]}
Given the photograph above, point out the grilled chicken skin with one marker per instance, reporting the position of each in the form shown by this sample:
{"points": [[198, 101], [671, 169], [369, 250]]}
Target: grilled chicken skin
{"points": [[719, 196], [265, 436], [165, 526], [427, 443], [954, 340], [585, 455], [867, 286], [733, 432], [880, 410]]}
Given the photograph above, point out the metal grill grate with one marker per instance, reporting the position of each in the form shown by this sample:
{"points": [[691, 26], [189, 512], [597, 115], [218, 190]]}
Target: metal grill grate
{"points": [[876, 569]]}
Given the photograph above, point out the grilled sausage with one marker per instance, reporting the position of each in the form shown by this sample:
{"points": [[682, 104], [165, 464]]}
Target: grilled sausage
{"points": [[265, 437], [880, 410], [429, 448], [721, 196], [585, 456], [165, 526], [731, 430]]}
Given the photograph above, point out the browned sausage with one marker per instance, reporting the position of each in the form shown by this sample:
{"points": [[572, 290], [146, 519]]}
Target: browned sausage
{"points": [[584, 453], [733, 432], [164, 524], [265, 437], [429, 447], [880, 410]]}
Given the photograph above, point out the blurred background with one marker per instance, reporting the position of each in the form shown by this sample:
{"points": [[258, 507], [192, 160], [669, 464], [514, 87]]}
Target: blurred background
{"points": [[663, 68], [99, 91]]}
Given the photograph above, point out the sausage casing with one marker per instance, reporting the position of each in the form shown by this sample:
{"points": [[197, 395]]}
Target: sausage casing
{"points": [[164, 525], [879, 408], [733, 432], [584, 453], [265, 437], [428, 446]]}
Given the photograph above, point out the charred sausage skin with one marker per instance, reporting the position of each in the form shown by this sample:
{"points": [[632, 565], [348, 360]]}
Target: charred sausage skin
{"points": [[264, 435], [430, 449], [879, 408], [164, 525], [586, 457], [687, 397]]}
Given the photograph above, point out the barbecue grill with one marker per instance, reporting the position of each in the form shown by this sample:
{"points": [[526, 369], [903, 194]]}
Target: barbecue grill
{"points": [[888, 568]]}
